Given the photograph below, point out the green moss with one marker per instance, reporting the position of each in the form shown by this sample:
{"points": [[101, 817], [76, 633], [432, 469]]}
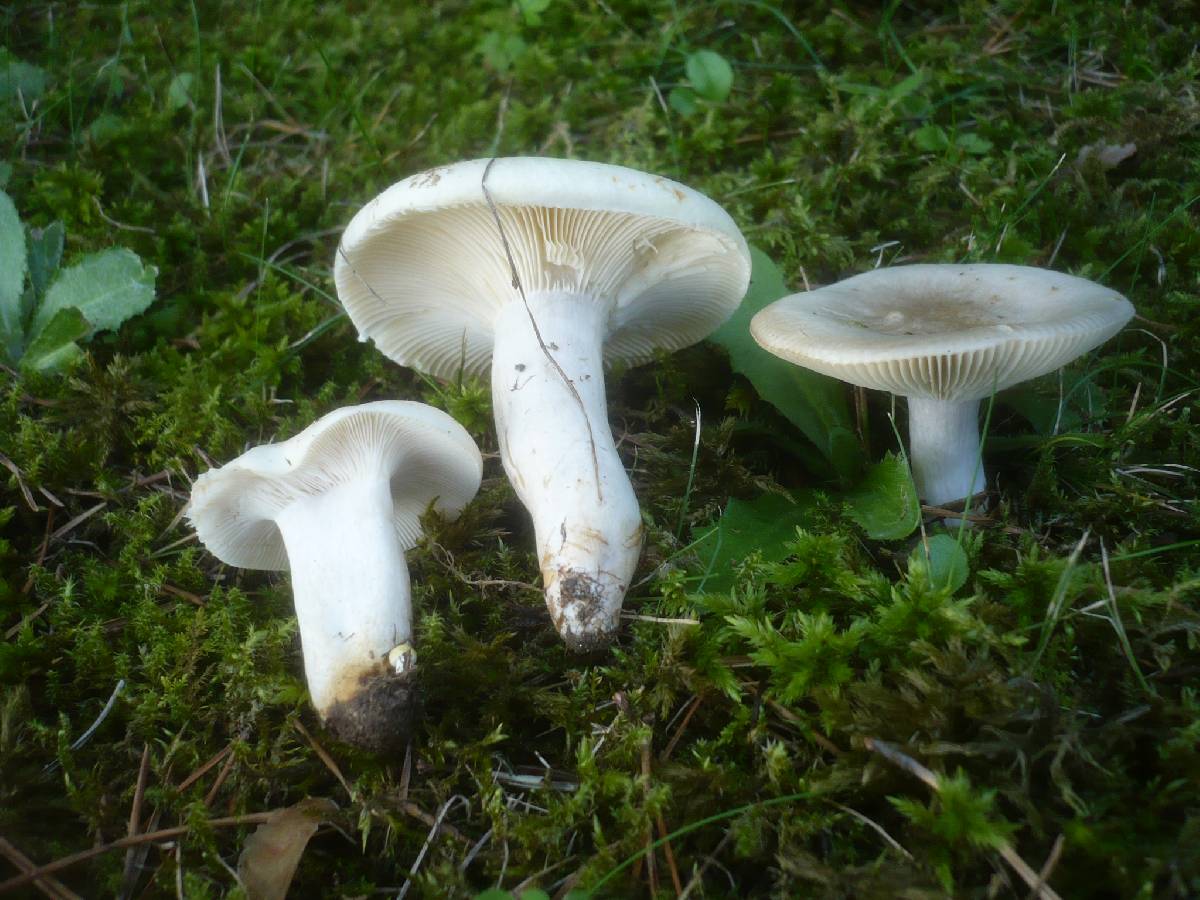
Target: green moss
{"points": [[1049, 703]]}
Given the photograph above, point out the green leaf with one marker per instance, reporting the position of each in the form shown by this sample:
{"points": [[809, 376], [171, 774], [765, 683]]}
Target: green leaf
{"points": [[179, 91], [5, 174], [813, 403], [19, 80], [107, 287], [45, 254], [500, 51], [710, 74], [931, 138], [943, 561], [973, 143], [55, 347], [683, 101], [12, 276], [766, 524], [532, 11], [885, 502]]}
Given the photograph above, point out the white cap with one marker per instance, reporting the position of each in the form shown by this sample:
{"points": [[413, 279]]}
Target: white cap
{"points": [[427, 456], [422, 271], [942, 332]]}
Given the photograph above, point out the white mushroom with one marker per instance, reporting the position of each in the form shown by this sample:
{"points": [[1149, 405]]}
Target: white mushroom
{"points": [[945, 337], [338, 505], [606, 264]]}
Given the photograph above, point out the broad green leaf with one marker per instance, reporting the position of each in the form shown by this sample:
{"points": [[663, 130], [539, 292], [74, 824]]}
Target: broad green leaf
{"points": [[107, 287], [104, 128], [973, 143], [710, 74], [45, 254], [19, 80], [5, 174], [813, 403], [885, 502], [179, 91], [683, 101], [12, 276], [943, 560], [931, 138], [500, 51], [55, 346], [532, 11], [766, 524]]}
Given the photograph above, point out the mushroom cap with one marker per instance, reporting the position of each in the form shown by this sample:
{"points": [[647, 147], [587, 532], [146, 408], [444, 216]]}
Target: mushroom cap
{"points": [[426, 456], [422, 270], [943, 332]]}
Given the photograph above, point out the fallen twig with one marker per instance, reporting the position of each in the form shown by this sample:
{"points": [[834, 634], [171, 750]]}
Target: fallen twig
{"points": [[51, 887], [1036, 883], [146, 837]]}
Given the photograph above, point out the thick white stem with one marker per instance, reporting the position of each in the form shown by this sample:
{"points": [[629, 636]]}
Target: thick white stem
{"points": [[557, 448], [943, 443], [351, 589]]}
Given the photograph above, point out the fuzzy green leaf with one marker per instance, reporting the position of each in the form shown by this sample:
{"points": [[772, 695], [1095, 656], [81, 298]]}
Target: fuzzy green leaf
{"points": [[813, 403], [710, 74], [179, 91], [107, 287], [54, 347], [45, 255], [943, 561], [885, 502], [19, 81], [683, 101], [12, 275], [766, 524]]}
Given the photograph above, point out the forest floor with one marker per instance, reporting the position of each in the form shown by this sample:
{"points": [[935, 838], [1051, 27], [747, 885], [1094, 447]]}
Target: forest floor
{"points": [[839, 715]]}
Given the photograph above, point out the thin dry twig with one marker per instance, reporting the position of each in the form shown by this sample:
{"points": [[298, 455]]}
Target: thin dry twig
{"points": [[325, 758], [516, 283], [21, 485], [204, 768], [130, 874], [77, 521], [687, 717], [146, 837], [433, 833], [651, 863], [902, 760], [51, 887]]}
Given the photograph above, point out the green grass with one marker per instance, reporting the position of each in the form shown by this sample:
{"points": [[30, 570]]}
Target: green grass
{"points": [[227, 144]]}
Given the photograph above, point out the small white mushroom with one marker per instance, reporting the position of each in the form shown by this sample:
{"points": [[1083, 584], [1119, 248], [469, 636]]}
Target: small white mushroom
{"points": [[945, 337], [610, 264], [338, 505]]}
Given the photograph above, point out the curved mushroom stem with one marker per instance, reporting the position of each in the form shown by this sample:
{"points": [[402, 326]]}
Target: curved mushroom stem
{"points": [[353, 601], [557, 448], [943, 440]]}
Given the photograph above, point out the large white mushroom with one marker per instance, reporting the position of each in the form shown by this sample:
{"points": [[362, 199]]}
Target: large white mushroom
{"points": [[945, 337], [338, 505], [543, 269]]}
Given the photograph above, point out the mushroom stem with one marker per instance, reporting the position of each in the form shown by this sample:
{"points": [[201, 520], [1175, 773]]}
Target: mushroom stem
{"points": [[943, 440], [353, 598], [558, 451]]}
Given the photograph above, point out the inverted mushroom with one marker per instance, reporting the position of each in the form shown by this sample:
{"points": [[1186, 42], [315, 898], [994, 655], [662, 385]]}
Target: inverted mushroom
{"points": [[546, 271], [338, 505], [945, 337]]}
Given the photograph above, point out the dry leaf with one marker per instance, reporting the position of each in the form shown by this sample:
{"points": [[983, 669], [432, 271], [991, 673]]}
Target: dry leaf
{"points": [[1109, 155], [271, 855]]}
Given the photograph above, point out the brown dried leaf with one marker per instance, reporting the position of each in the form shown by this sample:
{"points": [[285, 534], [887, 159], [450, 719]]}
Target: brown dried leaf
{"points": [[271, 855]]}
